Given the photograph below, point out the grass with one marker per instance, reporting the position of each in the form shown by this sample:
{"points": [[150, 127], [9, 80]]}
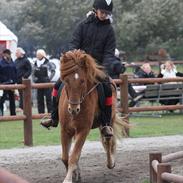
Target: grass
{"points": [[11, 133], [151, 126]]}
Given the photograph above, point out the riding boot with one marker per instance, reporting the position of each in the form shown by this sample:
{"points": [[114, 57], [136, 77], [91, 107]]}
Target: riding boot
{"points": [[53, 121], [106, 129]]}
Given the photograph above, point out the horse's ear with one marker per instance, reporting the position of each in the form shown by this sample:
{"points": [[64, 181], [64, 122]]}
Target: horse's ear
{"points": [[63, 57], [83, 60]]}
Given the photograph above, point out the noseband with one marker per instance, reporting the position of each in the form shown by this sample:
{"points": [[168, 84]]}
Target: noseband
{"points": [[83, 96]]}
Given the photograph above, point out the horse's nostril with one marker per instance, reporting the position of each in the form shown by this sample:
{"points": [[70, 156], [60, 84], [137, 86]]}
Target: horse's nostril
{"points": [[69, 109], [77, 110]]}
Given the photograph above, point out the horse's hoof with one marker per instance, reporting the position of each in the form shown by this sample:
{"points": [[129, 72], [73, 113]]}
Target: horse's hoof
{"points": [[111, 167], [76, 176], [66, 181]]}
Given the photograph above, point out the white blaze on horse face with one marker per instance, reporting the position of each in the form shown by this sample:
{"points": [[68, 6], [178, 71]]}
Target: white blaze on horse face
{"points": [[76, 76]]}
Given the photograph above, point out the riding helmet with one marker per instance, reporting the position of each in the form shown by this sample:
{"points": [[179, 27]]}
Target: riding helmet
{"points": [[106, 5]]}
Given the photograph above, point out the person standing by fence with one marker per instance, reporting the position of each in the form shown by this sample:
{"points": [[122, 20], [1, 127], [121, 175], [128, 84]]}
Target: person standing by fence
{"points": [[8, 75], [24, 70], [43, 72]]}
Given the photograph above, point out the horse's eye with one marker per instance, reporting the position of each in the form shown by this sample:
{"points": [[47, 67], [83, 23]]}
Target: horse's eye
{"points": [[82, 81]]}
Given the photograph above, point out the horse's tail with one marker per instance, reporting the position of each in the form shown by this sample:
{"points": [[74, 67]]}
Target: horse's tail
{"points": [[120, 125]]}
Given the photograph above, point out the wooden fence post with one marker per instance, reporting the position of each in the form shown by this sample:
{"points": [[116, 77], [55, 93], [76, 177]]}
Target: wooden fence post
{"points": [[124, 97], [163, 167], [153, 174], [27, 108]]}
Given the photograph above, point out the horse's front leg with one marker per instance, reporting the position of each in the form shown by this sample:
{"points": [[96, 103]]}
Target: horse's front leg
{"points": [[73, 168], [66, 140]]}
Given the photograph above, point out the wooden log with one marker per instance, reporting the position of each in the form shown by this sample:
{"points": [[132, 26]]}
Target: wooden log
{"points": [[153, 170], [27, 107]]}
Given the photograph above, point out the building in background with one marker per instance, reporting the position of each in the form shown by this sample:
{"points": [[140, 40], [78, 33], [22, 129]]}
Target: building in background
{"points": [[7, 40]]}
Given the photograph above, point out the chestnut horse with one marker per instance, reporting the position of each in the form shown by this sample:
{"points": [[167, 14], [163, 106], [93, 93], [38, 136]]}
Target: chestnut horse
{"points": [[79, 110]]}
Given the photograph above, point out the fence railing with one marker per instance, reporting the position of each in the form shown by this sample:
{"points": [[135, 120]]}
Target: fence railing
{"points": [[27, 116], [124, 80], [160, 169]]}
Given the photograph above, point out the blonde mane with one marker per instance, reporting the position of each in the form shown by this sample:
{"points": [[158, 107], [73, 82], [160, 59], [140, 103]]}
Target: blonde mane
{"points": [[73, 60]]}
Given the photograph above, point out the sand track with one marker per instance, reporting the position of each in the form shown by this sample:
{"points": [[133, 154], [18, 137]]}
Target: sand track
{"points": [[43, 165]]}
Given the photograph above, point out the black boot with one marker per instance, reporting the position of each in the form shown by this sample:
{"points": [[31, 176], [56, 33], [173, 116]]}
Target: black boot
{"points": [[53, 121], [106, 129]]}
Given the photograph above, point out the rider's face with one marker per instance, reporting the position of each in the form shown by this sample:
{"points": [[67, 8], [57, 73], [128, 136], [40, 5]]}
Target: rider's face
{"points": [[102, 14]]}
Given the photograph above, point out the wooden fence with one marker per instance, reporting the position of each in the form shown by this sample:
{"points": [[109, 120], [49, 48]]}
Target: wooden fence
{"points": [[124, 80], [27, 116], [160, 169]]}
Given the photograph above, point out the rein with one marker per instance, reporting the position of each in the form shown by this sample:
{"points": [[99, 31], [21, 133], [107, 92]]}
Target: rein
{"points": [[83, 97]]}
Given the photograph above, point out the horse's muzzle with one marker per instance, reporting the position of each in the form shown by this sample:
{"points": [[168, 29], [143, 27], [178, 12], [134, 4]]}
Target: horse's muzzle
{"points": [[74, 109]]}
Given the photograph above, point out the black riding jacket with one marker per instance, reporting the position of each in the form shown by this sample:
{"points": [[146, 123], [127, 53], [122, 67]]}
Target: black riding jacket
{"points": [[96, 38], [24, 68]]}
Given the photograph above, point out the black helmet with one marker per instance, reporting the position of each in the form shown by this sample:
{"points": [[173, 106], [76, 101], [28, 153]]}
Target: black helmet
{"points": [[106, 5]]}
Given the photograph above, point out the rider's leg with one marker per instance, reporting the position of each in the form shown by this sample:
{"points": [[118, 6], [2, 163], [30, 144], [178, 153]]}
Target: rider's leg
{"points": [[106, 112], [53, 121]]}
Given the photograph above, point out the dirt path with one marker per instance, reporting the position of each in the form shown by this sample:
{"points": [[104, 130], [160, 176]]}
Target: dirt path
{"points": [[43, 165]]}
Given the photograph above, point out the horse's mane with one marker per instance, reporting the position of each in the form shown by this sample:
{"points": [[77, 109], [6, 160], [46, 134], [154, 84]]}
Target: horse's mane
{"points": [[71, 61]]}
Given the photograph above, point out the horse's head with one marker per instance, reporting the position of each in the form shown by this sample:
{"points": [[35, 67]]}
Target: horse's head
{"points": [[79, 72]]}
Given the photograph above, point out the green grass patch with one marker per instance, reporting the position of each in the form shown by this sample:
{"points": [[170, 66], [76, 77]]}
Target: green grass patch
{"points": [[153, 126], [11, 133]]}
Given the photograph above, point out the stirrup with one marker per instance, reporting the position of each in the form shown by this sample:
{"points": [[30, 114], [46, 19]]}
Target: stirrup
{"points": [[107, 134], [43, 120]]}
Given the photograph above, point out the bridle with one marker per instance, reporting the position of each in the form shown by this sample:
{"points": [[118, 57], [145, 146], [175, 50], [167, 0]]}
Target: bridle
{"points": [[83, 96]]}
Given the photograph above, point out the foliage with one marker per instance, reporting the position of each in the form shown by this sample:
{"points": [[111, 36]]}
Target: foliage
{"points": [[150, 25]]}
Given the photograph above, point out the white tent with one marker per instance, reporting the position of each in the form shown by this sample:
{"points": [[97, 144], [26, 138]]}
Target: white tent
{"points": [[7, 39]]}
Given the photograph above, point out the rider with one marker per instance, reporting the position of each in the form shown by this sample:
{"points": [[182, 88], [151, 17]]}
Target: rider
{"points": [[94, 35]]}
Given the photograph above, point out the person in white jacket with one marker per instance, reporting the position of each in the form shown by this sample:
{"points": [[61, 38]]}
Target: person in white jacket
{"points": [[168, 70]]}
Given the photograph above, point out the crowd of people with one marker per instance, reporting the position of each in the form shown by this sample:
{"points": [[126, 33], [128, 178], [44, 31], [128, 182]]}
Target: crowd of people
{"points": [[13, 72], [167, 70]]}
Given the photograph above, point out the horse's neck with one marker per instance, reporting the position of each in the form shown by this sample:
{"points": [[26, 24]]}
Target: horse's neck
{"points": [[89, 85]]}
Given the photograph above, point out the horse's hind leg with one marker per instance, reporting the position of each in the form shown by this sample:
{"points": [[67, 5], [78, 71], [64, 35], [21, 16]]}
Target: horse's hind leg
{"points": [[110, 148]]}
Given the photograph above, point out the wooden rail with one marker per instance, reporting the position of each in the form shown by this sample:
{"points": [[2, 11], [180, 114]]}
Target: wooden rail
{"points": [[160, 172], [27, 116], [124, 94]]}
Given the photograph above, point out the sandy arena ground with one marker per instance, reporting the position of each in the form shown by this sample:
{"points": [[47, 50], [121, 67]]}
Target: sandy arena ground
{"points": [[43, 165]]}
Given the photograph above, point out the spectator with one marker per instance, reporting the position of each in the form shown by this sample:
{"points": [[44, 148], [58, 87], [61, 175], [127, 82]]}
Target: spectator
{"points": [[43, 72], [168, 70], [145, 71], [24, 70], [8, 75]]}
